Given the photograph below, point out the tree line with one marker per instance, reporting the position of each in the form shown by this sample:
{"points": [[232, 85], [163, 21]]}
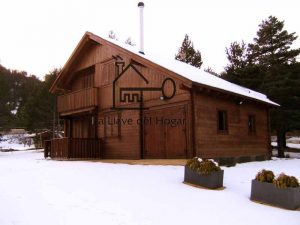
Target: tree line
{"points": [[268, 65], [25, 100]]}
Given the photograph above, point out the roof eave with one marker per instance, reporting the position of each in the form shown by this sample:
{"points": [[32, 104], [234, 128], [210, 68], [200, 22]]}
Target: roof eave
{"points": [[270, 104], [67, 65]]}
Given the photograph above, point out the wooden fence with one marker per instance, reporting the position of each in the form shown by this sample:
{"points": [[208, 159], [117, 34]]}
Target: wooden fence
{"points": [[73, 148]]}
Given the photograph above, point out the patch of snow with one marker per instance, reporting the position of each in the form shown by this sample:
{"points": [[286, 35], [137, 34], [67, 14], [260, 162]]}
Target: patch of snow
{"points": [[295, 140], [36, 191], [194, 74], [14, 112], [290, 145], [16, 142], [294, 155]]}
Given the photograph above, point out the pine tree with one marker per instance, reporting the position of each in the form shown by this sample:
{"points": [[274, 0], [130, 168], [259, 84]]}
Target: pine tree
{"points": [[112, 35], [129, 41], [272, 46], [15, 89], [269, 65], [211, 71], [187, 53]]}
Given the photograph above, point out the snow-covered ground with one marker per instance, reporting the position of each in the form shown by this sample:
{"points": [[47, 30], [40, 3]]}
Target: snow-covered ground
{"points": [[35, 191], [16, 142], [291, 142]]}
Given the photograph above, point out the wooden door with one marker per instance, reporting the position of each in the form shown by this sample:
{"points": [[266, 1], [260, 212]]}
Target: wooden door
{"points": [[162, 139], [175, 140], [154, 146]]}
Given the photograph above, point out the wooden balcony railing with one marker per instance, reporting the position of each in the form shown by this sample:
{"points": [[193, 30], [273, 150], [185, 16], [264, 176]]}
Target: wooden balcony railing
{"points": [[73, 148], [77, 100]]}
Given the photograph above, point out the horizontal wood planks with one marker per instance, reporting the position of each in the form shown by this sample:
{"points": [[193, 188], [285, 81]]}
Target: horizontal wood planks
{"points": [[84, 98], [237, 141]]}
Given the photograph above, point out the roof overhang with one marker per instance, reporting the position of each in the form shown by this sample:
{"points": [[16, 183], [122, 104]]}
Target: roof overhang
{"points": [[197, 86], [80, 46]]}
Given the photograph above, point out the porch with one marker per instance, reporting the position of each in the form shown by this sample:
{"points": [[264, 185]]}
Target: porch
{"points": [[73, 148]]}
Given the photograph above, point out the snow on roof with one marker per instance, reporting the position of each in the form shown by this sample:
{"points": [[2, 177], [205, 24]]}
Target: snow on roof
{"points": [[196, 75]]}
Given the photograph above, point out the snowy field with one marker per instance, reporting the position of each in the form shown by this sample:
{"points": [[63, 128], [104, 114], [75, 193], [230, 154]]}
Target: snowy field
{"points": [[34, 191]]}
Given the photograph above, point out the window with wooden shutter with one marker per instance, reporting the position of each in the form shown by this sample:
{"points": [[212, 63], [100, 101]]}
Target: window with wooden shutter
{"points": [[107, 73]]}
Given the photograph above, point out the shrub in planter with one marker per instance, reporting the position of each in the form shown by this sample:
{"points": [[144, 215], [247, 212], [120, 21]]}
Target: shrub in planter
{"points": [[265, 176], [283, 191], [203, 172], [285, 181]]}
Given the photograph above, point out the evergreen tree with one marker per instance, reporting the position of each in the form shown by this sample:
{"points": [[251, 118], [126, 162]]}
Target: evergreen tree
{"points": [[211, 71], [272, 46], [187, 53], [15, 89], [112, 35], [129, 41], [269, 65], [37, 113]]}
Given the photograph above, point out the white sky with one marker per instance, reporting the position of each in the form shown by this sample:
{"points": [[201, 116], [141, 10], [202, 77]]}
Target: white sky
{"points": [[37, 36]]}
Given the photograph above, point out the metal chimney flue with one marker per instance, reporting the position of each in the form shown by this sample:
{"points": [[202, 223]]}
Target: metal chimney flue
{"points": [[141, 7]]}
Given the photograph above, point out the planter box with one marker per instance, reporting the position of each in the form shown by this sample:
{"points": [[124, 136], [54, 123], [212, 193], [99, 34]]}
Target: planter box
{"points": [[288, 198], [212, 181]]}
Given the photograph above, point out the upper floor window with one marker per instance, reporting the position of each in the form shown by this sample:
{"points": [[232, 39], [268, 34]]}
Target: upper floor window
{"points": [[222, 121], [251, 124]]}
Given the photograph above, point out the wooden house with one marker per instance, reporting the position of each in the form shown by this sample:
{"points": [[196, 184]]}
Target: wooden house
{"points": [[118, 103]]}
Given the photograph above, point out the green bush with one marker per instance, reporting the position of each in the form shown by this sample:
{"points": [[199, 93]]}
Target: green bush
{"points": [[265, 176], [285, 181], [202, 166]]}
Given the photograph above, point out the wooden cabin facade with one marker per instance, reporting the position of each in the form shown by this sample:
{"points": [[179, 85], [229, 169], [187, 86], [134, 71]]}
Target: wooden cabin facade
{"points": [[119, 104]]}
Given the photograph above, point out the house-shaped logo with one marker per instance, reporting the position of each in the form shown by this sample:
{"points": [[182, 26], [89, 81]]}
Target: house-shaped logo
{"points": [[132, 98]]}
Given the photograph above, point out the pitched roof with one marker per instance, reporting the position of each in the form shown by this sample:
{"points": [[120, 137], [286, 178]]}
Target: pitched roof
{"points": [[197, 76]]}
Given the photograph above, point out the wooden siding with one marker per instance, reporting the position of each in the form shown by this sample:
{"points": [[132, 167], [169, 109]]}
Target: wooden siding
{"points": [[82, 99], [209, 142], [84, 126], [126, 143], [83, 79]]}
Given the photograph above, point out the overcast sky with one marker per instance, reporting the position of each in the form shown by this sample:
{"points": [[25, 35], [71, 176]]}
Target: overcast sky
{"points": [[38, 36]]}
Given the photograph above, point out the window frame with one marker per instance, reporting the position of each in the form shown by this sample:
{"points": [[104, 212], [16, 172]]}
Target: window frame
{"points": [[251, 129], [226, 130]]}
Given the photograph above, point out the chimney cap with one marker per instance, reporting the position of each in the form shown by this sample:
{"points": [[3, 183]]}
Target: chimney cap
{"points": [[141, 4]]}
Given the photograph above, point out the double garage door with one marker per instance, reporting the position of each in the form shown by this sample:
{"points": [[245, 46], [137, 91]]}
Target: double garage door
{"points": [[165, 133]]}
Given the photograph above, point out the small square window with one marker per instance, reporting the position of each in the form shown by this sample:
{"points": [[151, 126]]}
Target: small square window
{"points": [[251, 124], [222, 121]]}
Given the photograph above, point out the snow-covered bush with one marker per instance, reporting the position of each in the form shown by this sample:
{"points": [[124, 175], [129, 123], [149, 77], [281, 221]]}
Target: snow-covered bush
{"points": [[285, 181], [202, 166], [265, 176]]}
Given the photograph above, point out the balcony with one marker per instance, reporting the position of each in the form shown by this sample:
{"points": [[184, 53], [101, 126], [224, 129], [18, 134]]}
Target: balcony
{"points": [[77, 101]]}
